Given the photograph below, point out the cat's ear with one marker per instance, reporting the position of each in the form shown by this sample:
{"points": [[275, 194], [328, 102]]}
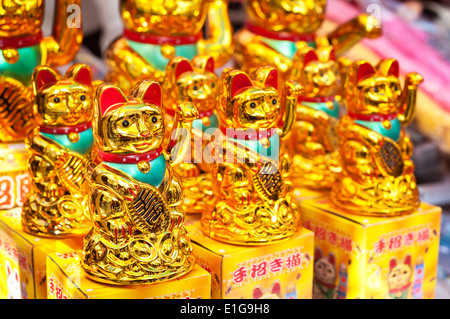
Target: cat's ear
{"points": [[332, 259], [108, 97], [364, 70], [80, 73], [317, 253], [175, 68], [148, 92], [392, 263], [268, 76], [407, 260], [257, 293], [332, 55], [276, 289], [204, 62], [238, 82], [43, 76], [389, 67], [16, 274], [310, 56], [8, 268]]}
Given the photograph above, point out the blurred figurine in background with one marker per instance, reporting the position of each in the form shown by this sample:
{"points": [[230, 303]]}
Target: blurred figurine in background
{"points": [[274, 28], [156, 31], [23, 48], [59, 148], [377, 175], [253, 202], [137, 233], [314, 142], [193, 82]]}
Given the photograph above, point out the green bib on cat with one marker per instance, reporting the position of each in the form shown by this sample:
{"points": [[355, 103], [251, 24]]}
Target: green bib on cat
{"points": [[152, 52], [82, 147], [198, 124], [29, 58], [285, 47], [154, 177], [322, 106], [376, 126]]}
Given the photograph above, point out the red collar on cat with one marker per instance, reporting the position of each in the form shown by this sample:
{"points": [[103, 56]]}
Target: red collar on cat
{"points": [[323, 284], [372, 117], [158, 39], [248, 134], [287, 36], [63, 130], [129, 158], [201, 115], [403, 288], [318, 99], [20, 42]]}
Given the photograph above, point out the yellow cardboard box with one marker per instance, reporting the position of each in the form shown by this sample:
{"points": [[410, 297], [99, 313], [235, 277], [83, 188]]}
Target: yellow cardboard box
{"points": [[66, 279], [14, 179], [282, 270], [23, 258], [303, 193], [373, 257]]}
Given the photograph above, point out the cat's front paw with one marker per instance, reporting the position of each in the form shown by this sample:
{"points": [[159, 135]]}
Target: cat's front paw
{"points": [[187, 112], [413, 79]]}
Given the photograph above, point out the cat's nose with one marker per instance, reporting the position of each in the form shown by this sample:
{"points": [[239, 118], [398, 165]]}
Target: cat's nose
{"points": [[145, 133]]}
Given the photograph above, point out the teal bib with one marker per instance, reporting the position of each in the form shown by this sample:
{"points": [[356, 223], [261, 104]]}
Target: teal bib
{"points": [[392, 133], [285, 47], [322, 106], [198, 124], [154, 177], [152, 53], [82, 147], [29, 58]]}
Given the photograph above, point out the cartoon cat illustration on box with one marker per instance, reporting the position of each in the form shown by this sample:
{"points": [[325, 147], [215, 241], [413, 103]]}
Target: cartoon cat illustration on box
{"points": [[13, 282], [325, 275], [273, 293], [138, 233], [59, 148], [195, 82], [399, 277]]}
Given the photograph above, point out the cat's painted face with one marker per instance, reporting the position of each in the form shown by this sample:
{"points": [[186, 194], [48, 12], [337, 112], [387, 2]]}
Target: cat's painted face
{"points": [[251, 104], [374, 90], [317, 71], [129, 125], [194, 83], [400, 273], [20, 17], [64, 102], [165, 17], [298, 16], [325, 268]]}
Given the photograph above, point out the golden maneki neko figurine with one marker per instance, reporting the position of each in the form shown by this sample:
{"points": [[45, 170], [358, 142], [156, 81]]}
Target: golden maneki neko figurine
{"points": [[23, 48], [314, 143], [275, 27], [253, 202], [158, 30], [137, 233], [377, 175], [59, 147], [193, 82]]}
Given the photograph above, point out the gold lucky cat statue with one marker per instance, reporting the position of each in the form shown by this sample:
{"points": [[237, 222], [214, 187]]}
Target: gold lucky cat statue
{"points": [[314, 142], [193, 82], [253, 202], [138, 233], [275, 27], [158, 30], [23, 48], [59, 149], [377, 175]]}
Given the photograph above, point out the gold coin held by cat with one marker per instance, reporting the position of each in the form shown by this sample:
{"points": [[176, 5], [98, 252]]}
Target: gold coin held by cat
{"points": [[74, 137], [144, 167]]}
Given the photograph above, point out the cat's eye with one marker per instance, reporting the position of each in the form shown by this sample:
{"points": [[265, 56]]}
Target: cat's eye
{"points": [[274, 101], [125, 123], [213, 85], [376, 89], [253, 105], [83, 97], [154, 119], [56, 100], [195, 87]]}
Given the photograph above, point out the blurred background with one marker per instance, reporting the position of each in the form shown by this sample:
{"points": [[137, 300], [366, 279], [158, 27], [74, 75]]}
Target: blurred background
{"points": [[416, 33]]}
